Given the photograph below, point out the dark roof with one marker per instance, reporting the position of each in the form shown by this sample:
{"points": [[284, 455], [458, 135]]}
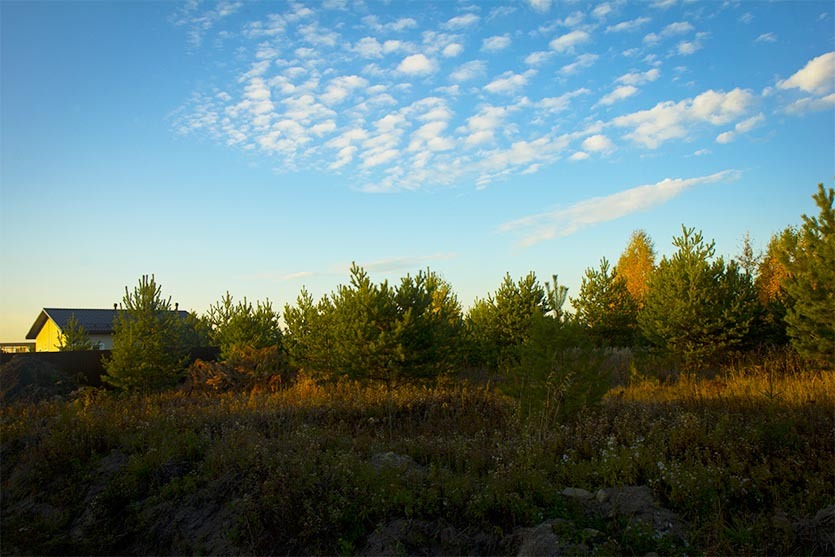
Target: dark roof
{"points": [[94, 321]]}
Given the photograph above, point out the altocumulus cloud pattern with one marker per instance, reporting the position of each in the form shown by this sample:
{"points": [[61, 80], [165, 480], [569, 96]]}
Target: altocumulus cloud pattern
{"points": [[401, 95]]}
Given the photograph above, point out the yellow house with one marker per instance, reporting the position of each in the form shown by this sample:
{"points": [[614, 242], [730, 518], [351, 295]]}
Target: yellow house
{"points": [[48, 327]]}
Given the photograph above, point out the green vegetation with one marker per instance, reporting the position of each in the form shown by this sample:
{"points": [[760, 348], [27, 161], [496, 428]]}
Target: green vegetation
{"points": [[150, 342], [707, 382], [809, 257], [697, 308], [75, 337], [317, 468]]}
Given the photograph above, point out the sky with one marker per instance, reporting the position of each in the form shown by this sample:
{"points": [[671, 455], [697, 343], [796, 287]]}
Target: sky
{"points": [[259, 147]]}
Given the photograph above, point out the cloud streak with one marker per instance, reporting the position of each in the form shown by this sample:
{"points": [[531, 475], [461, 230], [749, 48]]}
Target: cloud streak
{"points": [[565, 221]]}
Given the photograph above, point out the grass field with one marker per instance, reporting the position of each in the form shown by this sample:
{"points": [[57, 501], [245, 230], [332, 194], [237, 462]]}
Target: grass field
{"points": [[746, 459]]}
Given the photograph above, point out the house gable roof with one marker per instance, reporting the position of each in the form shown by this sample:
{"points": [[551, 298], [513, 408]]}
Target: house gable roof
{"points": [[94, 321]]}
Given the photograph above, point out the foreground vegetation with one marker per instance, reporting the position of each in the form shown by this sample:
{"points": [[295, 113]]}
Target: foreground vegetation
{"points": [[744, 458]]}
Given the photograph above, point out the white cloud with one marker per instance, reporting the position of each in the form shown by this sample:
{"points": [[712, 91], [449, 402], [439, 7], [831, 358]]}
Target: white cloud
{"points": [[701, 152], [495, 43], [669, 120], [631, 25], [406, 263], [677, 28], [394, 26], [540, 5], [572, 20], [578, 156], [416, 64], [566, 221], [766, 38], [620, 93], [725, 137], [567, 42], [198, 23], [461, 21], [816, 77], [376, 158], [558, 104], [368, 47], [686, 48], [483, 124], [598, 144], [452, 50], [509, 82], [747, 125], [639, 78], [582, 61], [537, 58], [471, 70], [602, 10], [340, 87], [663, 4], [742, 127], [811, 104], [746, 18]]}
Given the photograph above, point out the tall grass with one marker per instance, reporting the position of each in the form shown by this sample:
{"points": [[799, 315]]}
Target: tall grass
{"points": [[743, 458]]}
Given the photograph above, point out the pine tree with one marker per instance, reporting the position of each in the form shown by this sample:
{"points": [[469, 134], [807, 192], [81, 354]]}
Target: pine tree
{"points": [[239, 327], [697, 308], [606, 308], [74, 337], [501, 324], [809, 258], [365, 332], [431, 323], [636, 264], [149, 351]]}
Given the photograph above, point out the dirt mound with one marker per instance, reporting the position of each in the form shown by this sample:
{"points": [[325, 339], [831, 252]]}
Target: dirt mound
{"points": [[28, 379]]}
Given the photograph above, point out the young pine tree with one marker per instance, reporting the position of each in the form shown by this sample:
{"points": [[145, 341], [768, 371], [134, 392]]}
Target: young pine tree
{"points": [[809, 258], [697, 308], [149, 351], [74, 337], [606, 308]]}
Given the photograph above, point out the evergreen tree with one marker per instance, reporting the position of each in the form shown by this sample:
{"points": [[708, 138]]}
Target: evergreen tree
{"points": [[431, 324], [238, 327], [748, 259], [636, 264], [809, 258], [365, 331], [606, 308], [149, 347], [74, 337], [500, 324], [308, 337], [556, 295], [697, 308]]}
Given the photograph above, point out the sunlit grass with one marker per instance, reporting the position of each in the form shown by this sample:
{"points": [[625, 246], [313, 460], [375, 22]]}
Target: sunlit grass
{"points": [[740, 456]]}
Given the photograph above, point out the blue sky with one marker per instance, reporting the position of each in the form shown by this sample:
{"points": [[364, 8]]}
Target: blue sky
{"points": [[259, 147]]}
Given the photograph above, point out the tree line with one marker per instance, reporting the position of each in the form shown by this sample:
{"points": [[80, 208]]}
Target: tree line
{"points": [[693, 308]]}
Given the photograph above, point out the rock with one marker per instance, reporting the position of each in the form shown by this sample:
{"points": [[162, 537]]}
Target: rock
{"points": [[634, 504], [638, 506], [576, 493], [416, 537], [541, 541], [394, 460]]}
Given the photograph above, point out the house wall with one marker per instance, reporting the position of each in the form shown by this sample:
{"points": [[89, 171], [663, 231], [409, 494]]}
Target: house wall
{"points": [[47, 339], [106, 341]]}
